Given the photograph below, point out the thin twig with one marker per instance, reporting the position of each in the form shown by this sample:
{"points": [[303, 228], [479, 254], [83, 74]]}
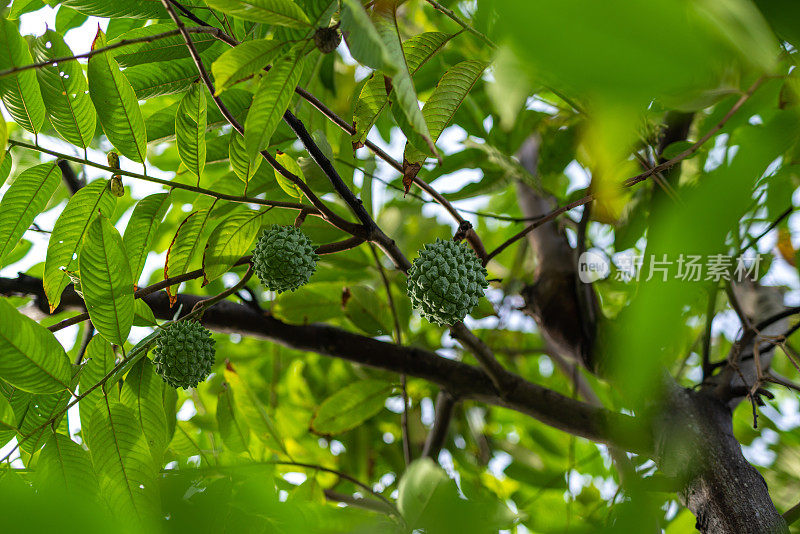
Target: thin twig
{"points": [[458, 20]]}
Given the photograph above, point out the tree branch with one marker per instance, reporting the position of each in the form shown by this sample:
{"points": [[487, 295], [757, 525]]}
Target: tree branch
{"points": [[461, 380]]}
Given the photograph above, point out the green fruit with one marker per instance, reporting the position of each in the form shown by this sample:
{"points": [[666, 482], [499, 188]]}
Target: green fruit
{"points": [[284, 258], [184, 354], [446, 281]]}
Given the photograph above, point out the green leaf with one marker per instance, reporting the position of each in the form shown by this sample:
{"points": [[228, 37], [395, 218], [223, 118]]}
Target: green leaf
{"points": [[350, 406], [106, 281], [231, 239], [190, 129], [444, 102], [143, 314], [8, 421], [185, 245], [311, 303], [143, 392], [64, 87], [122, 460], [116, 104], [367, 311], [252, 411], [23, 201], [67, 236], [19, 92], [289, 187], [5, 166], [403, 87], [38, 415], [164, 49], [65, 466], [244, 60], [136, 9], [31, 358], [20, 7], [159, 79], [234, 431], [99, 360], [363, 40], [271, 101], [242, 163], [67, 18], [3, 142], [161, 124], [374, 95], [141, 230], [278, 12]]}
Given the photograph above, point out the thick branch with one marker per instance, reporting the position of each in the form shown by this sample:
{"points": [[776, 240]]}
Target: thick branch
{"points": [[461, 380]]}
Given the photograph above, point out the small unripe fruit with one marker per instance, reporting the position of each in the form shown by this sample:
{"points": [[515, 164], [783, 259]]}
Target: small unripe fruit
{"points": [[446, 281], [327, 39], [184, 354], [284, 258]]}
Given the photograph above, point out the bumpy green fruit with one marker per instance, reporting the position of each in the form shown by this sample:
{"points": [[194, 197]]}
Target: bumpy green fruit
{"points": [[284, 258], [446, 281], [184, 354]]}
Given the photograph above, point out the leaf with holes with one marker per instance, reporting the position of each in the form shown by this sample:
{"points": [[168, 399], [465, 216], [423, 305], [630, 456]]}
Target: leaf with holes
{"points": [[350, 406], [271, 100], [23, 201], [20, 91], [67, 236], [106, 281], [116, 104], [141, 230], [184, 247], [278, 12], [190, 129], [243, 61], [31, 358], [64, 90]]}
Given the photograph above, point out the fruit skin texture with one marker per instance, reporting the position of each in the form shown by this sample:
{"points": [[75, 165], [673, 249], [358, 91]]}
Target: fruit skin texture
{"points": [[184, 354], [446, 281], [284, 258]]}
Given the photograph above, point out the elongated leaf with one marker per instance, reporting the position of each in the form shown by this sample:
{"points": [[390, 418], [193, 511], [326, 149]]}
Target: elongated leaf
{"points": [[289, 187], [143, 391], [8, 421], [232, 238], [3, 142], [190, 129], [65, 466], [67, 237], [5, 166], [244, 165], [158, 79], [106, 281], [444, 102], [67, 18], [141, 230], [116, 104], [23, 201], [99, 361], [367, 311], [122, 460], [315, 302], [402, 85], [350, 406], [253, 412], [64, 87], [136, 9], [19, 92], [20, 7], [164, 49], [37, 415], [278, 12], [185, 246], [234, 431], [143, 314], [363, 40], [270, 102], [31, 358], [374, 95], [244, 60], [161, 124]]}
